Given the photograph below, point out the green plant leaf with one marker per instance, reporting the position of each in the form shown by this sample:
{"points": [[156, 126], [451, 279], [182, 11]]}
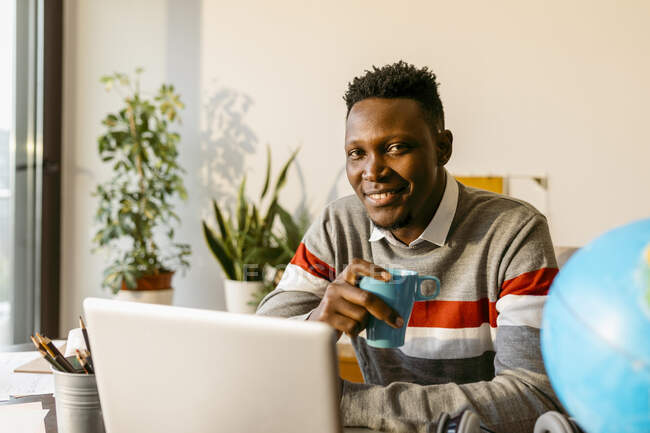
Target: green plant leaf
{"points": [[130, 280], [287, 251], [219, 252], [282, 177], [242, 206], [225, 229], [269, 218], [264, 255], [107, 81], [250, 213], [267, 178], [255, 219], [102, 144], [292, 231]]}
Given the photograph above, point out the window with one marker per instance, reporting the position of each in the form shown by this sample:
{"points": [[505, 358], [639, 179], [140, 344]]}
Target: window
{"points": [[30, 52], [7, 29]]}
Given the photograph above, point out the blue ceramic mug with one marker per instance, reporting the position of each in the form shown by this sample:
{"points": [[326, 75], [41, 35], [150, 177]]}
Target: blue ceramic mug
{"points": [[399, 293]]}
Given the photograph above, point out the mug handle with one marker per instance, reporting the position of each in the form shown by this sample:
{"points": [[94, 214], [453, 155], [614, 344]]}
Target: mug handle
{"points": [[418, 294]]}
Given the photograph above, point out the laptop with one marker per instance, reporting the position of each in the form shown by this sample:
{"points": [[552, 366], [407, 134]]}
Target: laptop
{"points": [[163, 369]]}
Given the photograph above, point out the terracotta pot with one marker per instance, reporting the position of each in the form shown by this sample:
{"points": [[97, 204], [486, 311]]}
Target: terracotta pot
{"points": [[161, 281], [150, 289]]}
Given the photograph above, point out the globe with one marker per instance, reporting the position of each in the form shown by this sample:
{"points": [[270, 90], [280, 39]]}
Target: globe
{"points": [[596, 332]]}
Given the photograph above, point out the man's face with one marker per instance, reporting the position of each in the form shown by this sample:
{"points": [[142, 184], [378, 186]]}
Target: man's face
{"points": [[394, 161]]}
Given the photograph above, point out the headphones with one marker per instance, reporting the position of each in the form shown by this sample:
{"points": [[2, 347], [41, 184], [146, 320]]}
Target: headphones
{"points": [[466, 422], [555, 422], [469, 422]]}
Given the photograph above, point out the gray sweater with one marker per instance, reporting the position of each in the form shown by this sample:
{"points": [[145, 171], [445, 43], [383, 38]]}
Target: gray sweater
{"points": [[476, 346]]}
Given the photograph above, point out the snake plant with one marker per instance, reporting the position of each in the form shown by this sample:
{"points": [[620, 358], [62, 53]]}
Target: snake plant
{"points": [[246, 242]]}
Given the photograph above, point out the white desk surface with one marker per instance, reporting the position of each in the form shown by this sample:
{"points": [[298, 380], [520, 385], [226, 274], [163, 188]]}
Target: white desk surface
{"points": [[20, 384]]}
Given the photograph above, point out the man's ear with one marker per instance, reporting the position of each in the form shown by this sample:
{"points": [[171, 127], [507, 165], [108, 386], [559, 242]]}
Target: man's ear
{"points": [[444, 144]]}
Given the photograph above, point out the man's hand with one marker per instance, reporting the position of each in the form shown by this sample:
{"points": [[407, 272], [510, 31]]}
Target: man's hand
{"points": [[346, 307]]}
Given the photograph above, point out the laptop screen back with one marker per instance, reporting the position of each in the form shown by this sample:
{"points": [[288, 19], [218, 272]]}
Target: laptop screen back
{"points": [[167, 369]]}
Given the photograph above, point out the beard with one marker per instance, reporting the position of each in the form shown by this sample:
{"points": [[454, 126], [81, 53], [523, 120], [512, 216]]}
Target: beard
{"points": [[400, 223]]}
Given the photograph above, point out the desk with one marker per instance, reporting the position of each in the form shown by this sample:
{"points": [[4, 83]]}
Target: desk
{"points": [[47, 403], [26, 384], [348, 364], [12, 384]]}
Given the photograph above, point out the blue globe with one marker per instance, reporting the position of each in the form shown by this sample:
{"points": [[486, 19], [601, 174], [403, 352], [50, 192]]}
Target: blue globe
{"points": [[596, 332]]}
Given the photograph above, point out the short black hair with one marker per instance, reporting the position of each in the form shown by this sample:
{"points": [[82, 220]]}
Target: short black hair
{"points": [[399, 80]]}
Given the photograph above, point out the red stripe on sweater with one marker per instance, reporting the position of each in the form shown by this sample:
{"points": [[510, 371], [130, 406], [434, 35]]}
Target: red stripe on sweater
{"points": [[454, 314], [534, 283], [312, 264], [472, 314]]}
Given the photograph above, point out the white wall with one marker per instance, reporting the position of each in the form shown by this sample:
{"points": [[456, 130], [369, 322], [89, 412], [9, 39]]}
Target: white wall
{"points": [[549, 87], [99, 38]]}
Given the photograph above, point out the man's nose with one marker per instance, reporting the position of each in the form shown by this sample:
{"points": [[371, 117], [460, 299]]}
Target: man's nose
{"points": [[375, 169]]}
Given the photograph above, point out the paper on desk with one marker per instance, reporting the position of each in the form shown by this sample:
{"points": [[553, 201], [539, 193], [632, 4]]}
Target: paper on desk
{"points": [[15, 384], [23, 418], [75, 341], [39, 364]]}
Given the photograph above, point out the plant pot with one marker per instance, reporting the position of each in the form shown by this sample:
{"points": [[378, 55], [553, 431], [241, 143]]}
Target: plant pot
{"points": [[150, 289], [239, 294]]}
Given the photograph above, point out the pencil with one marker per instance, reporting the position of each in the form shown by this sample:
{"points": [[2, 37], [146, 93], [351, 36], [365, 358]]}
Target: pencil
{"points": [[49, 359], [89, 358], [82, 361], [84, 331], [55, 353], [36, 343], [51, 348], [41, 349], [39, 337]]}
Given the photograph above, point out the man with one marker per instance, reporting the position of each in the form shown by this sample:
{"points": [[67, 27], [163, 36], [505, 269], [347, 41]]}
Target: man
{"points": [[477, 345]]}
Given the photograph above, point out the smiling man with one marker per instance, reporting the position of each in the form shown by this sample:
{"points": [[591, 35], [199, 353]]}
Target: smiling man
{"points": [[476, 346]]}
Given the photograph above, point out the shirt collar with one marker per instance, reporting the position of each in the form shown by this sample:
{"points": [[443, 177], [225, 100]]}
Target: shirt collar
{"points": [[438, 228]]}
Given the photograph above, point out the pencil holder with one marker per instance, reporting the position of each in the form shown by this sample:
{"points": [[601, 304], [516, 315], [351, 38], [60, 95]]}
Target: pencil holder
{"points": [[77, 403]]}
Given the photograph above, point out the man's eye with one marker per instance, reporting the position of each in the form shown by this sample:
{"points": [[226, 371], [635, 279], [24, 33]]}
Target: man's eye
{"points": [[397, 148], [355, 154]]}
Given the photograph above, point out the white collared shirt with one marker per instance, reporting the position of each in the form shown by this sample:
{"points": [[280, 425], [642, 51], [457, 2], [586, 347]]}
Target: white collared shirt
{"points": [[438, 228]]}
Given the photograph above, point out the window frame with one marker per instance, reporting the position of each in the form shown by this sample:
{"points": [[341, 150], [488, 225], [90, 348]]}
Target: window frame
{"points": [[36, 142]]}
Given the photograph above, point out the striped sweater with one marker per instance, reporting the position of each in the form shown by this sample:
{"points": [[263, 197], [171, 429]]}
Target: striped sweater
{"points": [[476, 346]]}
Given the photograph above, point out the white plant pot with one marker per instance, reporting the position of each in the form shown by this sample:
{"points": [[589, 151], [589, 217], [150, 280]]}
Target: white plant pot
{"points": [[163, 297], [239, 294]]}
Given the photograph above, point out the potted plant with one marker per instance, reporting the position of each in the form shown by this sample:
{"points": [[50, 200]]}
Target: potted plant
{"points": [[135, 206], [289, 240], [246, 245]]}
